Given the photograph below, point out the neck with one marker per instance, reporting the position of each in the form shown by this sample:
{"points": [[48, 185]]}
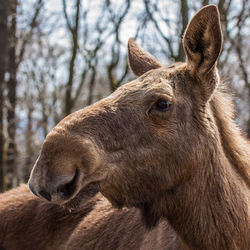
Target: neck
{"points": [[211, 209], [212, 214]]}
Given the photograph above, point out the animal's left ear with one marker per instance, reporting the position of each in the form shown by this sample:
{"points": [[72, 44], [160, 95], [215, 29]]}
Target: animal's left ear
{"points": [[140, 60], [203, 42]]}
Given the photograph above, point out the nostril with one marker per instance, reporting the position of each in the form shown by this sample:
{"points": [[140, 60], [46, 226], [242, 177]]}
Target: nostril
{"points": [[66, 190], [63, 190], [45, 195]]}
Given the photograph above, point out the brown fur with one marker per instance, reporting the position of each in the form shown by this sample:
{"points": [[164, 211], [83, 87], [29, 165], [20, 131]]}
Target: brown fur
{"points": [[188, 164], [107, 228], [144, 61], [29, 223]]}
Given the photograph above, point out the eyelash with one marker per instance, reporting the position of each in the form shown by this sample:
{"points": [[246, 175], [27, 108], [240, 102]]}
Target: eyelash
{"points": [[163, 105]]}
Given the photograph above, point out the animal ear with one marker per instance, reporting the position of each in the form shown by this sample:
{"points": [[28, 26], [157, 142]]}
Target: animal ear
{"points": [[203, 42], [140, 60]]}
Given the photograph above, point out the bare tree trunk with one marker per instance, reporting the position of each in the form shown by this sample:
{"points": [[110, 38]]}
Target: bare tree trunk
{"points": [[91, 85], [29, 135], [184, 16], [205, 2], [11, 116], [45, 118], [248, 128], [74, 33], [3, 62]]}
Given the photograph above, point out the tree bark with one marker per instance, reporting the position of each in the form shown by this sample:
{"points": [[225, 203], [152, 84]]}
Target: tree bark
{"points": [[74, 33], [11, 115], [28, 141], [3, 62], [184, 17], [205, 2], [91, 85]]}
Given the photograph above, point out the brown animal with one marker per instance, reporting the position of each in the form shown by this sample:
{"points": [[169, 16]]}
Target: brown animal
{"points": [[165, 143], [29, 223], [107, 228]]}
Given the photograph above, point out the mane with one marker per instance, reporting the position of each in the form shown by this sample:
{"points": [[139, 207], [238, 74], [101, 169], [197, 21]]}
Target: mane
{"points": [[235, 144]]}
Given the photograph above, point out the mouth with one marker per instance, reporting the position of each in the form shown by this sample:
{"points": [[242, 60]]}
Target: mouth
{"points": [[85, 194]]}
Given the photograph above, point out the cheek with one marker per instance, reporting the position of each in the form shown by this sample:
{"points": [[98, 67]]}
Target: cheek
{"points": [[161, 118], [183, 110]]}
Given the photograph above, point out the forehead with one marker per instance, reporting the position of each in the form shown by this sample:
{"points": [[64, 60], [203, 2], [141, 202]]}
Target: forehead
{"points": [[161, 80]]}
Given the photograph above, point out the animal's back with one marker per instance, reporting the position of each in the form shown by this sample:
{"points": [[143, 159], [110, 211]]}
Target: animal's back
{"points": [[27, 222], [108, 228]]}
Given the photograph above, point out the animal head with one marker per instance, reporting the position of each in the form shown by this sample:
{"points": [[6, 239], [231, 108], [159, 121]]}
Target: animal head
{"points": [[145, 138]]}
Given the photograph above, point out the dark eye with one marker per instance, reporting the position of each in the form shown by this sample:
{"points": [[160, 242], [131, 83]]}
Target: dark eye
{"points": [[163, 105]]}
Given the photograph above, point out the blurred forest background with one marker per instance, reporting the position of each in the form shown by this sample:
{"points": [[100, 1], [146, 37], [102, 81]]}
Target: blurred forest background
{"points": [[57, 56]]}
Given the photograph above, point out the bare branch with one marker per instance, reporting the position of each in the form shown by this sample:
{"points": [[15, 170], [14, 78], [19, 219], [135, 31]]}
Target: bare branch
{"points": [[66, 16], [116, 48], [32, 25], [184, 18], [165, 38], [74, 32]]}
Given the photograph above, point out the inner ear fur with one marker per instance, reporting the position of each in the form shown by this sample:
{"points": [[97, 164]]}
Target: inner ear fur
{"points": [[140, 60], [203, 42]]}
